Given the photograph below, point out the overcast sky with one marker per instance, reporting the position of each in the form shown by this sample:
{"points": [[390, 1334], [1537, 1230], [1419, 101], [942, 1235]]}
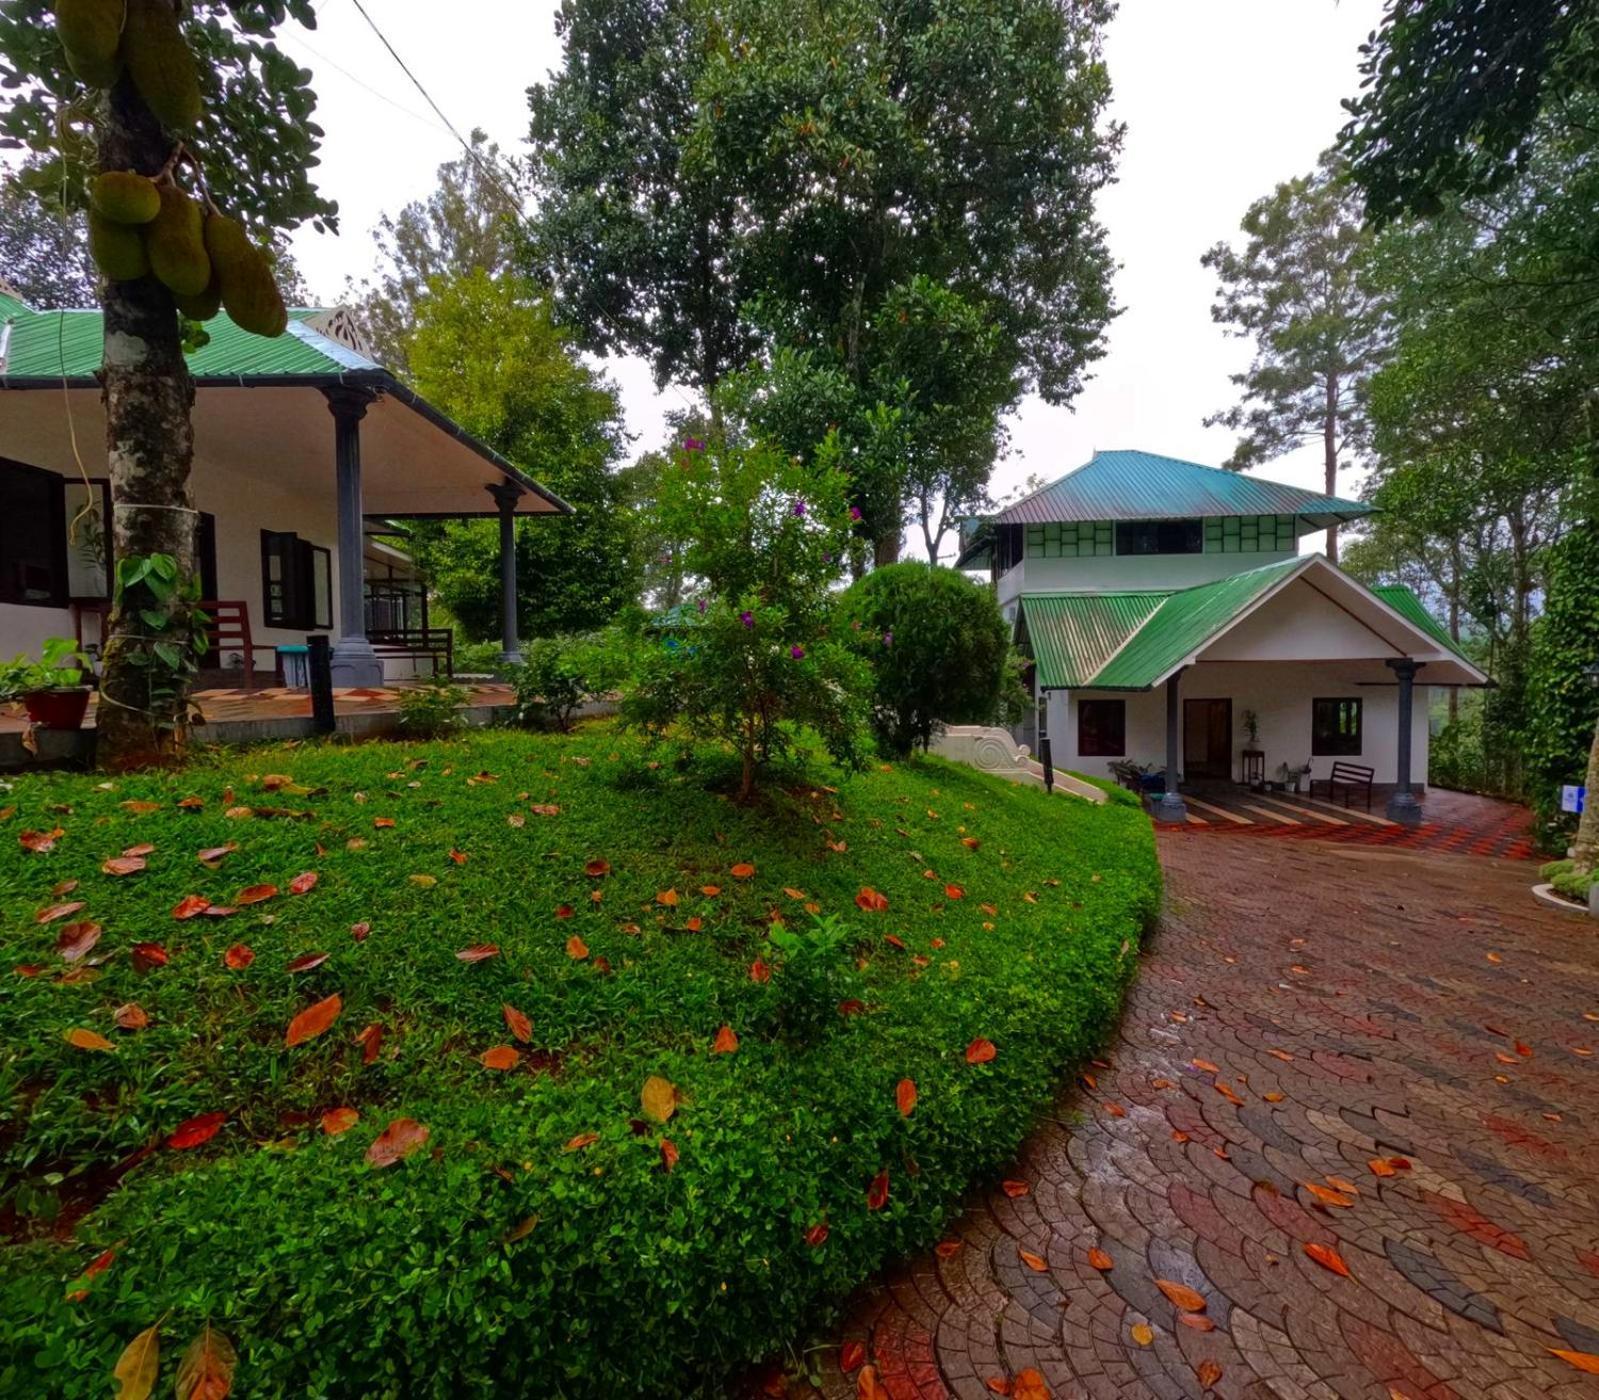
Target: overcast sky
{"points": [[1221, 100]]}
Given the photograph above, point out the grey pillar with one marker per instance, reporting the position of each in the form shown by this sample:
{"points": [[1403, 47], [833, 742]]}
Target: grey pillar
{"points": [[1402, 805], [354, 663], [1170, 806], [506, 494]]}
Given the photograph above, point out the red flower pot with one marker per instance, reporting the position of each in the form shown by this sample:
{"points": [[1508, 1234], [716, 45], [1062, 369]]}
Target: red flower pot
{"points": [[58, 709]]}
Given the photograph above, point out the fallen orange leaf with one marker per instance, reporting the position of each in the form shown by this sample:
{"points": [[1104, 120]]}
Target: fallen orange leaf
{"points": [[980, 1051], [315, 1019], [905, 1096], [1181, 1295], [1327, 1257], [499, 1057], [1035, 1262]]}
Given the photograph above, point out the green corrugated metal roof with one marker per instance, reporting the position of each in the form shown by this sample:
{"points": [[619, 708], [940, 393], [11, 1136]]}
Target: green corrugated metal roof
{"points": [[1412, 609], [1074, 634], [1186, 621], [52, 344], [1128, 641], [1132, 485]]}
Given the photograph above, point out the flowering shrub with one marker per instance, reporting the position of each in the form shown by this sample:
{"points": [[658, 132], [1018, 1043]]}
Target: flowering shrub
{"points": [[765, 538]]}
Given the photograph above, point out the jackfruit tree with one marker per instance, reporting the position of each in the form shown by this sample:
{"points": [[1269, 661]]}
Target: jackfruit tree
{"points": [[185, 135], [719, 180]]}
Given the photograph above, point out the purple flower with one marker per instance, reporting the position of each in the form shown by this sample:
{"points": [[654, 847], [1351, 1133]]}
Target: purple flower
{"points": [[854, 512], [799, 505], [693, 445], [700, 604], [827, 559], [747, 618], [888, 639], [797, 652]]}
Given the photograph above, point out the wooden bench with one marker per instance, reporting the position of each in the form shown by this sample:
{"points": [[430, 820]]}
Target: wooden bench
{"points": [[436, 644], [1351, 777]]}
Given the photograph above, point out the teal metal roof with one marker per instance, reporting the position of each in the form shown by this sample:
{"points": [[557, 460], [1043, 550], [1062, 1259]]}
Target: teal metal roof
{"points": [[1130, 485], [1074, 634], [69, 344]]}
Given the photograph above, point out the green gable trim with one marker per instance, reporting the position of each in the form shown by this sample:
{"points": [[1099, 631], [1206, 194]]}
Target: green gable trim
{"points": [[1129, 641], [1133, 485], [1404, 602], [55, 345], [1186, 621], [1074, 634]]}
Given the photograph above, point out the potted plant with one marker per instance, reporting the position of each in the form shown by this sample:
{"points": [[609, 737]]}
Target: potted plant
{"points": [[51, 689], [1291, 776]]}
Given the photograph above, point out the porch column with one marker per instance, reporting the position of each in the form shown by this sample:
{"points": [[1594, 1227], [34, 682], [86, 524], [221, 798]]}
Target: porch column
{"points": [[354, 663], [506, 494], [1402, 805], [1170, 806]]}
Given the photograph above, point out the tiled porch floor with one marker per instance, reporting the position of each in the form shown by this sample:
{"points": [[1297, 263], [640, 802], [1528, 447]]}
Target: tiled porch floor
{"points": [[281, 702], [1462, 822]]}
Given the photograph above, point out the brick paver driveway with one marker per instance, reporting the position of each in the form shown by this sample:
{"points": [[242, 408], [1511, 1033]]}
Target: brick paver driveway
{"points": [[1373, 1058]]}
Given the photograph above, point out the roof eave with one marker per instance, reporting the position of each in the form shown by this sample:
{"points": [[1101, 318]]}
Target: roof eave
{"points": [[378, 380]]}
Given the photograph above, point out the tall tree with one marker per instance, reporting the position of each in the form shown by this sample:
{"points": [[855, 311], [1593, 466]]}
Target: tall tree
{"points": [[468, 223], [1300, 290], [44, 258], [487, 351], [1452, 91], [719, 178], [246, 142], [1469, 106]]}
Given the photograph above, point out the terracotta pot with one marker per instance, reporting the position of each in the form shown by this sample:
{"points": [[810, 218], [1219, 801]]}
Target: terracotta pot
{"points": [[58, 709]]}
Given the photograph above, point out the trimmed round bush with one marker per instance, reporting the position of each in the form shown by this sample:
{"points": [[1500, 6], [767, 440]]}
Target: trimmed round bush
{"points": [[940, 650]]}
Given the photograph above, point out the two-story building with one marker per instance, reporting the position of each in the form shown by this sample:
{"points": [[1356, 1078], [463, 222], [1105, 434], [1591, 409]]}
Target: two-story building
{"points": [[1171, 620]]}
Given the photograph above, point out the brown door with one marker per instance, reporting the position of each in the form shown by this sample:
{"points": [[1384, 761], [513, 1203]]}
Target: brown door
{"points": [[1207, 738]]}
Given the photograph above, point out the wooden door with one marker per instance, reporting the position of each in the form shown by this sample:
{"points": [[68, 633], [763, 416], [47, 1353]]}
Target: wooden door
{"points": [[1207, 738]]}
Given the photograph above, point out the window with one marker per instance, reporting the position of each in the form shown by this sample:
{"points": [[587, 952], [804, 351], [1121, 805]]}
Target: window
{"points": [[296, 581], [1160, 537], [1335, 727], [33, 537], [1102, 728]]}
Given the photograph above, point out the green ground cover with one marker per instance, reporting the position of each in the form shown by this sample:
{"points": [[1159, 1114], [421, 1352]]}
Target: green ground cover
{"points": [[560, 1231]]}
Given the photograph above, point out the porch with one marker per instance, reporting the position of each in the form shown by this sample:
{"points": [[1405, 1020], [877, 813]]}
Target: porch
{"points": [[233, 715], [308, 455]]}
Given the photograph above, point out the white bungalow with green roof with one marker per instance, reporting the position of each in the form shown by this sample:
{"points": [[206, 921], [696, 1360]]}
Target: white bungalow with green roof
{"points": [[1165, 604], [305, 450]]}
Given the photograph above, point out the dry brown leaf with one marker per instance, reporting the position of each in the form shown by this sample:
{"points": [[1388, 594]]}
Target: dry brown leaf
{"points": [[1582, 1360], [499, 1057], [339, 1120], [659, 1098], [315, 1019], [397, 1141], [905, 1096], [1029, 1385], [1181, 1295], [137, 1367], [1327, 1257], [726, 1042], [206, 1370], [1208, 1372], [87, 1040], [1036, 1262], [517, 1023], [1100, 1260], [1143, 1334]]}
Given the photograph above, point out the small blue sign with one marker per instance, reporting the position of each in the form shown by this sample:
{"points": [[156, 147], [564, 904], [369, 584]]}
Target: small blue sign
{"points": [[1573, 799]]}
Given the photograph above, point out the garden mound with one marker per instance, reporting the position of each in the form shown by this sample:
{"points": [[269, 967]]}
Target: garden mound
{"points": [[518, 1064]]}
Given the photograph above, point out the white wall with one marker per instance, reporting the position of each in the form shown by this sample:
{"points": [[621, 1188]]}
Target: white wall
{"points": [[1128, 572], [1281, 695], [243, 508]]}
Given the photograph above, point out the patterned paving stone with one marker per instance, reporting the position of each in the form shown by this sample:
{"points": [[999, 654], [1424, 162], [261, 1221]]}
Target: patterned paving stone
{"points": [[1435, 1022]]}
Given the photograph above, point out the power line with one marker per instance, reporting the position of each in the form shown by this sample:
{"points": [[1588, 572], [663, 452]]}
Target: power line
{"points": [[491, 174]]}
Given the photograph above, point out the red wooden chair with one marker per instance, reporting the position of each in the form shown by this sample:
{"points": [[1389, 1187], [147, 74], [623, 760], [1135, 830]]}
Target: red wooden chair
{"points": [[229, 630]]}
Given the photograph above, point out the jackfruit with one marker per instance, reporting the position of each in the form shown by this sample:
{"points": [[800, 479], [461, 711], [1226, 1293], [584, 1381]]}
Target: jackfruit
{"points": [[204, 306], [124, 197], [117, 250], [91, 32], [161, 64], [249, 293], [176, 245]]}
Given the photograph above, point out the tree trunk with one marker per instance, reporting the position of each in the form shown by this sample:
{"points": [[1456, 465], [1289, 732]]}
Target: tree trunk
{"points": [[1454, 623], [1585, 849], [148, 395], [1329, 445], [885, 550]]}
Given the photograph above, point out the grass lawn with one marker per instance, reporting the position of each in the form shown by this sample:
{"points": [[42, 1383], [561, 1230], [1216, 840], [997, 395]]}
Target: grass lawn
{"points": [[535, 943]]}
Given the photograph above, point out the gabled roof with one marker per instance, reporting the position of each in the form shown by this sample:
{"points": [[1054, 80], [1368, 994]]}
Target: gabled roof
{"points": [[1131, 485], [1135, 640], [319, 350]]}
